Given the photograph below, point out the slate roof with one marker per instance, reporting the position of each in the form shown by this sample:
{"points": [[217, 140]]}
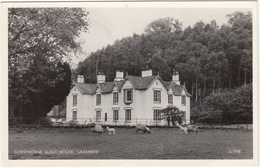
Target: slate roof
{"points": [[106, 87], [141, 83], [119, 84], [86, 88], [176, 89]]}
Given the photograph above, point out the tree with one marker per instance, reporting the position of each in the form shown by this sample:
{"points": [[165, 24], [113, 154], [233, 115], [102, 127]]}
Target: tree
{"points": [[38, 39], [172, 114], [226, 106]]}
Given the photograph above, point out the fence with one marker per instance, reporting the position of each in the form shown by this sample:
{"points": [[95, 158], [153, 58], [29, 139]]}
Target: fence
{"points": [[66, 122]]}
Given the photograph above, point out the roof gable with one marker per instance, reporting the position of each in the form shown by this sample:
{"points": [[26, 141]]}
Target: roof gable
{"points": [[176, 89], [86, 88], [119, 84], [140, 83], [106, 87]]}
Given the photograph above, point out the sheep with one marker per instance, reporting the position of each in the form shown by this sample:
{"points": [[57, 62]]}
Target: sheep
{"points": [[142, 128], [183, 129], [97, 129], [192, 128], [111, 130]]}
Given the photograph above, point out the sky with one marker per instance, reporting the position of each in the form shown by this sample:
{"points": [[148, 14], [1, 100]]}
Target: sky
{"points": [[110, 24]]}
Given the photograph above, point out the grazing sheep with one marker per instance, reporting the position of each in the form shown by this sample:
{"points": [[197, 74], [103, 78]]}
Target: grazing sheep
{"points": [[183, 129], [111, 130], [188, 128], [97, 129], [142, 128], [192, 128]]}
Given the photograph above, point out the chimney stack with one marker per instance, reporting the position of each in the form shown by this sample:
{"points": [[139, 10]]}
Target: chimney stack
{"points": [[147, 71], [80, 79], [101, 78], [119, 76], [175, 77]]}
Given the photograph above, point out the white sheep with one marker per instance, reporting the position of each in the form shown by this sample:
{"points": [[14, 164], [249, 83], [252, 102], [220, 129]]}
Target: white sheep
{"points": [[183, 129], [188, 128], [111, 130]]}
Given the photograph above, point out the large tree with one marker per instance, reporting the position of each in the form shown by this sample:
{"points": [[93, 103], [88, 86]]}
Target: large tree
{"points": [[39, 40]]}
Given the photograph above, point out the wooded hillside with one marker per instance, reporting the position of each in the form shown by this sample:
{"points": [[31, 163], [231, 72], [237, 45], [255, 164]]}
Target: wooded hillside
{"points": [[209, 57]]}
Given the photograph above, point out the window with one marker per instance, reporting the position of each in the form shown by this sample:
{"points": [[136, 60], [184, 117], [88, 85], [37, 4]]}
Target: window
{"points": [[156, 114], [170, 99], [157, 96], [98, 116], [128, 96], [74, 100], [115, 115], [98, 99], [74, 115], [115, 98], [128, 115], [183, 100]]}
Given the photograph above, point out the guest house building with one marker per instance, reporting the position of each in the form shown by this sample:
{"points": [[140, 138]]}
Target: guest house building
{"points": [[128, 100]]}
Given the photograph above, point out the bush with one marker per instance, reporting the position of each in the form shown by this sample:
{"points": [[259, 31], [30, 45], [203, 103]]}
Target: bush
{"points": [[13, 121], [72, 123], [45, 121], [227, 106]]}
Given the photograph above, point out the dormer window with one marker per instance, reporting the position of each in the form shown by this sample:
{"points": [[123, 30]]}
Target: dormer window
{"points": [[157, 96], [183, 100], [170, 99], [128, 96], [115, 97], [98, 99]]}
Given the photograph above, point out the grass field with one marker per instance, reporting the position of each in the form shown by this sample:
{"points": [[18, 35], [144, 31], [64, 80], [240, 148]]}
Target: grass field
{"points": [[166, 143]]}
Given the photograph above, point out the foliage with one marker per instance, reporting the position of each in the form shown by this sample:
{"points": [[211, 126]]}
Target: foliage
{"points": [[13, 121], [172, 114], [39, 39], [45, 121], [73, 123], [209, 57], [227, 106]]}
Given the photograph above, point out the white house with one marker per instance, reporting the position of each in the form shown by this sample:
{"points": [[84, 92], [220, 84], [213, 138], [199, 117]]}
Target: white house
{"points": [[128, 100]]}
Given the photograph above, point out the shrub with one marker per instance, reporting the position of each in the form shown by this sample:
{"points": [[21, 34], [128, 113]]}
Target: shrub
{"points": [[45, 121], [227, 106], [73, 123], [13, 121]]}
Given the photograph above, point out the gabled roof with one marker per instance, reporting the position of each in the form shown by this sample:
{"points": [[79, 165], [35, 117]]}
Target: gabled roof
{"points": [[141, 83], [86, 88], [176, 89], [119, 84], [106, 87]]}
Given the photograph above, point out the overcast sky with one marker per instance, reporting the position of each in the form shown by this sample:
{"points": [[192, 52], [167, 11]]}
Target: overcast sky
{"points": [[109, 24]]}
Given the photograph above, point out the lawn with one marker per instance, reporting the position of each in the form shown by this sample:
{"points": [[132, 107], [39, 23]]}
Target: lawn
{"points": [[165, 143]]}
